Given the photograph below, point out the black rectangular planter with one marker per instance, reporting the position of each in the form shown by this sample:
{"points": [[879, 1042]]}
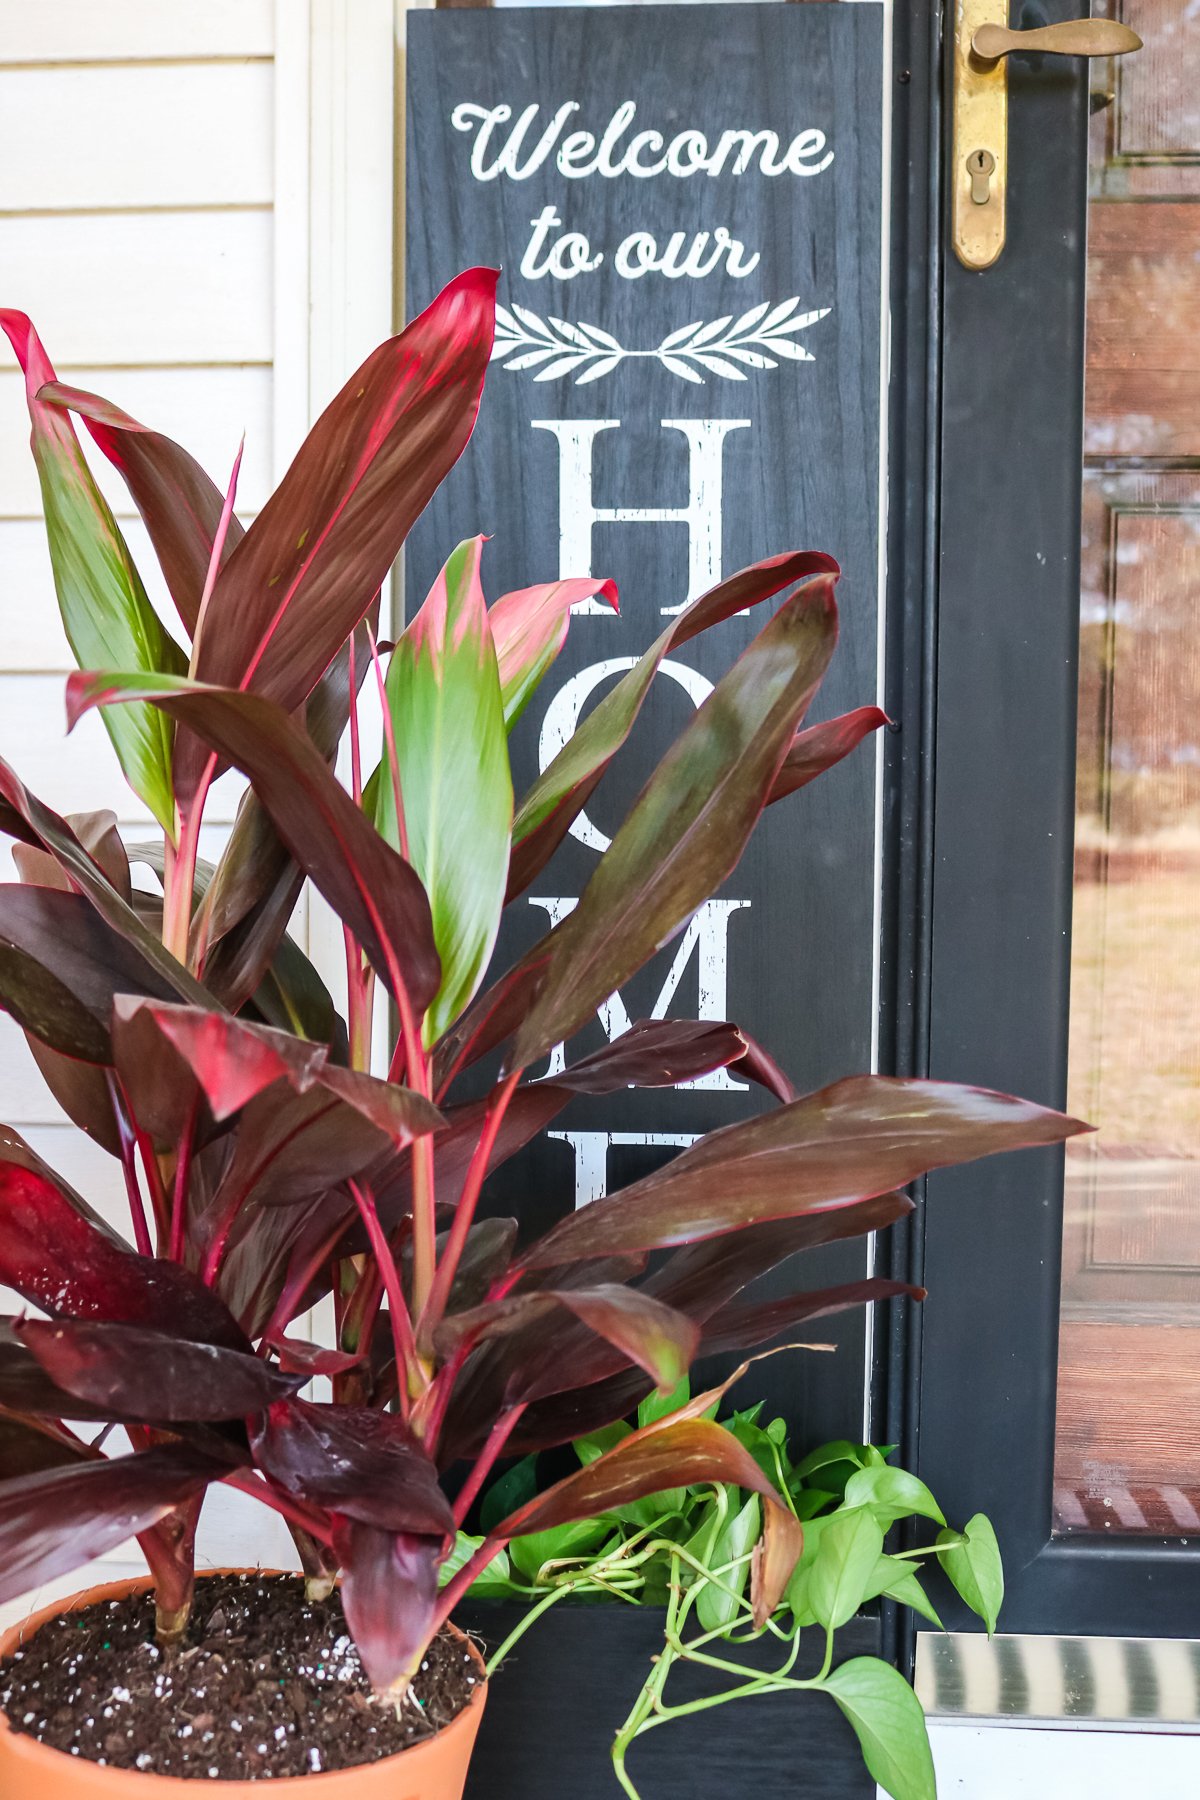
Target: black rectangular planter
{"points": [[555, 1707]]}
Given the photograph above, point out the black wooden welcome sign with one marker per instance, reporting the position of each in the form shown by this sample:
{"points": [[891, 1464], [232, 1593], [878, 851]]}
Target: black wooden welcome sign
{"points": [[685, 205]]}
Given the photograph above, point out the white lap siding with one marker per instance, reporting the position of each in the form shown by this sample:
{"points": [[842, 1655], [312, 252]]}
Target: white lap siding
{"points": [[138, 229]]}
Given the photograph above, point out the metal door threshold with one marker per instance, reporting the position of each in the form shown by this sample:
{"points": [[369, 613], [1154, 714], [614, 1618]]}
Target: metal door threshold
{"points": [[1146, 1684]]}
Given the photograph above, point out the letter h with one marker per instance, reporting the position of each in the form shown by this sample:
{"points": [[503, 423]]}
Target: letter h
{"points": [[578, 513]]}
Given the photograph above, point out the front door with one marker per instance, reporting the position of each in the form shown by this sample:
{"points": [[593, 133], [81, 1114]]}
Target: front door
{"points": [[1061, 1342]]}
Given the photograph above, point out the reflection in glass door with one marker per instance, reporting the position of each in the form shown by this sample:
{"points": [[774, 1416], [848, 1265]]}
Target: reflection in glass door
{"points": [[1128, 1436]]}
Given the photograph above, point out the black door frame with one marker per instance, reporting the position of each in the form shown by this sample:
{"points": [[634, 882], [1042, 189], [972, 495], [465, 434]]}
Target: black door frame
{"points": [[986, 472]]}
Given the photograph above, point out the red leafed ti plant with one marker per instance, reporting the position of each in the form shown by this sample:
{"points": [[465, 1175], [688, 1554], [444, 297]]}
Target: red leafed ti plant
{"points": [[266, 1165]]}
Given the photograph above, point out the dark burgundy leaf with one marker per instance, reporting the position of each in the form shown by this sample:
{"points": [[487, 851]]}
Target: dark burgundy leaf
{"points": [[257, 883], [491, 1018], [161, 1089], [25, 1387], [152, 1375], [24, 817], [28, 1446], [354, 1461], [14, 1151], [390, 1594], [757, 1322], [560, 1419], [48, 1011], [703, 1277], [298, 1357], [673, 1453], [290, 994], [97, 832], [369, 885], [641, 1328], [821, 746], [563, 789], [54, 1521], [862, 1136], [262, 1247], [65, 1261], [657, 1053], [312, 563], [84, 964], [235, 1061], [82, 1091], [486, 1255], [583, 1382], [687, 829], [289, 1147], [231, 1060]]}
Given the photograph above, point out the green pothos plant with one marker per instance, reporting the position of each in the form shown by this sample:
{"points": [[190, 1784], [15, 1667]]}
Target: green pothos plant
{"points": [[689, 1552]]}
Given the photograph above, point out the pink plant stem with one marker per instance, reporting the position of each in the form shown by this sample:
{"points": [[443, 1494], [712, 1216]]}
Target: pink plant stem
{"points": [[504, 1284], [215, 1253], [499, 1435], [228, 1219], [408, 1050], [179, 869], [362, 1312], [295, 1510], [218, 546], [407, 1360], [436, 1400], [183, 1169], [154, 1182], [389, 739], [464, 1213], [137, 1210], [357, 1016], [357, 1007], [294, 1290], [424, 1223], [355, 746]]}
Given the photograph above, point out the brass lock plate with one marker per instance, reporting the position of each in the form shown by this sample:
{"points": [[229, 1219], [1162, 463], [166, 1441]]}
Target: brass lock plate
{"points": [[983, 41], [978, 198]]}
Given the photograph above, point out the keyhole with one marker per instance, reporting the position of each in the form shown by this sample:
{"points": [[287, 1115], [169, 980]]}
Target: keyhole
{"points": [[980, 164]]}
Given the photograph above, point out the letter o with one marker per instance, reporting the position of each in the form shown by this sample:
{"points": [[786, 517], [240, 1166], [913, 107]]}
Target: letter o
{"points": [[562, 717]]}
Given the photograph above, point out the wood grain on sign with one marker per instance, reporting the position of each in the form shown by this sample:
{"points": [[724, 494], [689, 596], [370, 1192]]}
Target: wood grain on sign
{"points": [[754, 431]]}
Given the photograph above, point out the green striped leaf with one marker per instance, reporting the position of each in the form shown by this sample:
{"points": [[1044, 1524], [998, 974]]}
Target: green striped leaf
{"points": [[108, 620]]}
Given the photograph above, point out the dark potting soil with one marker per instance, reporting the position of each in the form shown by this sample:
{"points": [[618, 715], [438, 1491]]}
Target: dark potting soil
{"points": [[267, 1684]]}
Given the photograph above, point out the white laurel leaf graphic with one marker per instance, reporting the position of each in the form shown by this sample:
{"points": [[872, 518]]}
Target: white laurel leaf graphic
{"points": [[710, 332], [604, 367], [605, 338], [719, 365], [554, 349], [683, 336], [677, 367]]}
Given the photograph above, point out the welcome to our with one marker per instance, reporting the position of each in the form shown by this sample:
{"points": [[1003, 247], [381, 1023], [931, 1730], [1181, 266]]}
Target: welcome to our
{"points": [[515, 149], [518, 148]]}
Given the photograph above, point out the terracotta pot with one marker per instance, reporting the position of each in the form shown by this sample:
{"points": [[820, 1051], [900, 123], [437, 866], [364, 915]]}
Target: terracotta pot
{"points": [[433, 1770]]}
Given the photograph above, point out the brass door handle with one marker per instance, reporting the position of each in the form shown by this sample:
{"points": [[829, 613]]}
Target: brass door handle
{"points": [[1075, 37], [982, 43]]}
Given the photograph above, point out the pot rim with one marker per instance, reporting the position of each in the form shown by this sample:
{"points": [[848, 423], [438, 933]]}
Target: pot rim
{"points": [[103, 1777]]}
